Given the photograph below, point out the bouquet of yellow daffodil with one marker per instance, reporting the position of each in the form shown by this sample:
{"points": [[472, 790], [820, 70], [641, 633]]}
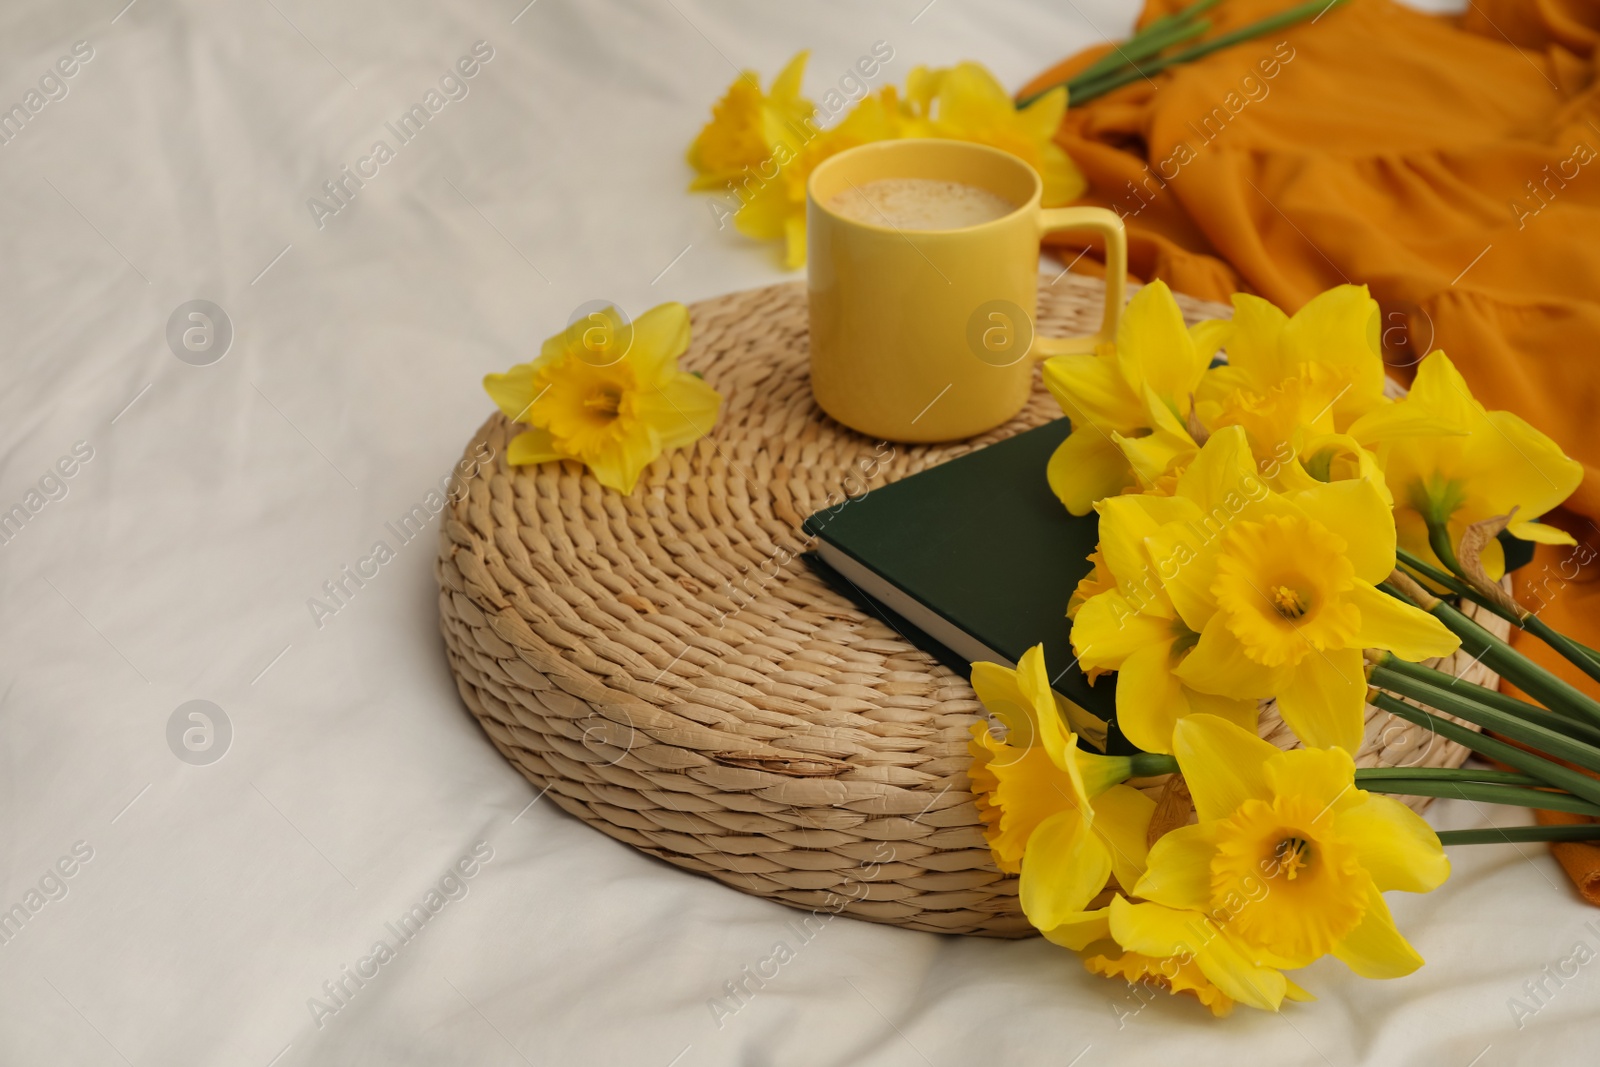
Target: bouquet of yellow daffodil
{"points": [[1274, 527]]}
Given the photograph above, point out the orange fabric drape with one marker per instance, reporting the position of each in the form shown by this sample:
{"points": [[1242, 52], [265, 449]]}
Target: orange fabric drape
{"points": [[1452, 164]]}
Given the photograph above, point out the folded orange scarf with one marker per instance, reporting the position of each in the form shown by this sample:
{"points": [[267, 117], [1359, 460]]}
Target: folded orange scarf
{"points": [[1450, 163]]}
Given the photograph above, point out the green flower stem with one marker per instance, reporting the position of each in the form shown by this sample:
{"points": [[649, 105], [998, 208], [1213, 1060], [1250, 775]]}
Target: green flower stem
{"points": [[1541, 738], [1443, 547], [1575, 782], [1430, 686], [1578, 832], [1130, 53], [1446, 774], [1484, 793], [1454, 585], [1554, 693], [1578, 654], [1134, 48], [1150, 764], [1270, 24], [1153, 38]]}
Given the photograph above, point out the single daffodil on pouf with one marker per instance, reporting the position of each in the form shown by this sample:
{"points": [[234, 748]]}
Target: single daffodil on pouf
{"points": [[1271, 595], [1288, 863], [609, 394], [1053, 811], [760, 147]]}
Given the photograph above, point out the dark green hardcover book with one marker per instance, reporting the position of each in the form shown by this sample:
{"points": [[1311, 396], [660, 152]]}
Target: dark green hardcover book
{"points": [[977, 554]]}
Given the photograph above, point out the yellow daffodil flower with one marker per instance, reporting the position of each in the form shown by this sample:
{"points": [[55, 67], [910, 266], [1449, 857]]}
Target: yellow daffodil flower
{"points": [[1281, 588], [1129, 402], [1330, 457], [1320, 368], [1308, 390], [608, 394], [1452, 481], [1288, 863], [1051, 811], [747, 126], [965, 103], [1132, 628]]}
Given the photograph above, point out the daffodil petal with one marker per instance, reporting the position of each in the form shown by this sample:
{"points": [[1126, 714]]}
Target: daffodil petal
{"points": [[1340, 327], [1085, 468], [533, 446], [1125, 523], [1225, 466], [683, 410], [1178, 871], [1375, 948], [1323, 699], [1158, 931], [1223, 765], [1082, 930], [1033, 682], [1398, 419], [1325, 776], [512, 392], [660, 336], [1184, 555], [1092, 392], [1243, 712], [618, 465], [1081, 721], [1150, 698], [1218, 664], [997, 689], [1355, 510], [1407, 631], [1253, 348], [1108, 629], [1208, 336], [1064, 867], [1396, 847], [1511, 463], [1122, 822], [1153, 344], [1294, 992], [1540, 533], [1152, 454], [786, 86], [794, 242]]}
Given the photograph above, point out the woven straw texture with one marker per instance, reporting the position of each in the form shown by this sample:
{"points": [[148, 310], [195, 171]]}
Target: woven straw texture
{"points": [[667, 669]]}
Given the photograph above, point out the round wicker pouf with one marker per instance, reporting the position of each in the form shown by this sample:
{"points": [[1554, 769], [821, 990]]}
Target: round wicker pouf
{"points": [[671, 673]]}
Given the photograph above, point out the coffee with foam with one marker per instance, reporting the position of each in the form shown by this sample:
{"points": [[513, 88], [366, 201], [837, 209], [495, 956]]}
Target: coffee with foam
{"points": [[919, 204]]}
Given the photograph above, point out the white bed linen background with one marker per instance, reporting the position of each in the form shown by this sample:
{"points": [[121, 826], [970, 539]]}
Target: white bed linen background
{"points": [[220, 898]]}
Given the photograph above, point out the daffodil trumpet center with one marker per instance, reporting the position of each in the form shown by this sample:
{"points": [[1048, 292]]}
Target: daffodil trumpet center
{"points": [[1290, 603], [1293, 855], [1284, 878], [1281, 585], [605, 400]]}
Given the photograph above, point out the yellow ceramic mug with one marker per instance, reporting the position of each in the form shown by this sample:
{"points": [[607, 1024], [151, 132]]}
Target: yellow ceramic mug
{"points": [[927, 335]]}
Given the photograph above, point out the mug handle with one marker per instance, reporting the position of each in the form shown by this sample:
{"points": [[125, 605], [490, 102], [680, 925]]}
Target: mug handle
{"points": [[1108, 225]]}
